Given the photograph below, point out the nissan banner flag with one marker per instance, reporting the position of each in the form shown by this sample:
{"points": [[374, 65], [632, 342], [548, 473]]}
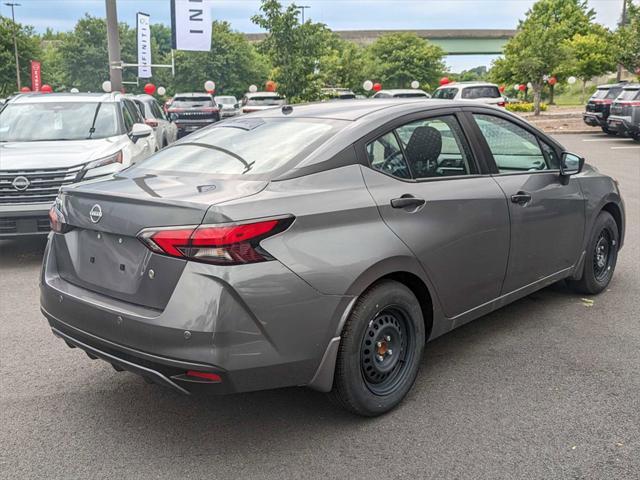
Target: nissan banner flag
{"points": [[36, 76], [191, 25], [144, 45]]}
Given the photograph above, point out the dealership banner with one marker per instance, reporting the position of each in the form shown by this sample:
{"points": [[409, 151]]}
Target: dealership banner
{"points": [[191, 25], [36, 76], [144, 45]]}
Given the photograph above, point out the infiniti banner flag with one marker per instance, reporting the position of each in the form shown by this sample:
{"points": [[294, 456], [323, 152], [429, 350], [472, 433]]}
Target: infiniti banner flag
{"points": [[191, 25], [144, 45]]}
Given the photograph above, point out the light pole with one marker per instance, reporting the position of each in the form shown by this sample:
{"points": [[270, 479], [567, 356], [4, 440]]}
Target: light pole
{"points": [[623, 22], [113, 45], [15, 41], [302, 8]]}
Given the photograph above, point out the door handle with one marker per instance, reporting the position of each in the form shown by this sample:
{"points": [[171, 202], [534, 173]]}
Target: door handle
{"points": [[521, 198], [407, 201]]}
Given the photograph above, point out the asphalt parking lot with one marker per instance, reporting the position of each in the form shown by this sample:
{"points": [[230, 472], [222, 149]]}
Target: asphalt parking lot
{"points": [[548, 387]]}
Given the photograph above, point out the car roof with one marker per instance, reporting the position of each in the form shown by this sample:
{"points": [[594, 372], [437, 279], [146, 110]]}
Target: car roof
{"points": [[261, 94], [225, 96], [66, 97], [468, 84], [631, 86], [192, 94], [145, 98], [607, 86], [393, 91], [355, 109]]}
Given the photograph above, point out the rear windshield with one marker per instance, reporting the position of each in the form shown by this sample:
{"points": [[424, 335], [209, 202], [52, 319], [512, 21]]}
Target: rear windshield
{"points": [[244, 147], [192, 102], [226, 100], [445, 93], [606, 93], [265, 101], [410, 95], [57, 121], [628, 95], [481, 92]]}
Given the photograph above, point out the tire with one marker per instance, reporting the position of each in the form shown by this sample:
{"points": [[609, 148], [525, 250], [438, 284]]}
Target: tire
{"points": [[369, 380], [607, 131], [598, 269]]}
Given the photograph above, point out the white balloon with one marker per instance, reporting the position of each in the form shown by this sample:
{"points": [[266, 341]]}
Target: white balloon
{"points": [[571, 80], [253, 88], [516, 86], [209, 85], [106, 86], [529, 85], [162, 91], [415, 84], [74, 90], [367, 85]]}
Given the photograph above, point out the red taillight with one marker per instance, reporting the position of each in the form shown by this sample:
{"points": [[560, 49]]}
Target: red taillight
{"points": [[212, 377], [152, 123], [231, 244], [56, 220], [502, 104]]}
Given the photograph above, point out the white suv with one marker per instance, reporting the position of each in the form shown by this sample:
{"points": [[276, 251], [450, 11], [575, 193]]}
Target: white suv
{"points": [[50, 140], [482, 92]]}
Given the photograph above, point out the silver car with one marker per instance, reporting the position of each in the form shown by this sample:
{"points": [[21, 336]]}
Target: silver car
{"points": [[322, 245], [228, 105], [164, 129]]}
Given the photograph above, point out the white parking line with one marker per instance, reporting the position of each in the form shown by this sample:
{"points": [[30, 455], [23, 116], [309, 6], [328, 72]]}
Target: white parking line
{"points": [[635, 147], [609, 139]]}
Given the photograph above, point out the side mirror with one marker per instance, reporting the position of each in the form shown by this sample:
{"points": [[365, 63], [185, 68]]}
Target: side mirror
{"points": [[139, 130], [571, 164]]}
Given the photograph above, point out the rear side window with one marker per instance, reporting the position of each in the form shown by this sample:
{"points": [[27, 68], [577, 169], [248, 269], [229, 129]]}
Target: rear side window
{"points": [[244, 147], [445, 93], [514, 149], [489, 91]]}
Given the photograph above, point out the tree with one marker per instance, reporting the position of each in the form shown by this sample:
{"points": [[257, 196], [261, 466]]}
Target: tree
{"points": [[397, 59], [628, 39], [590, 55], [28, 49], [539, 47], [296, 50], [343, 66]]}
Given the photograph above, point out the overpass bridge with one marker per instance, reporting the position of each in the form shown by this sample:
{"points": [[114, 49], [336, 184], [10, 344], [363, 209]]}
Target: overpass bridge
{"points": [[453, 42]]}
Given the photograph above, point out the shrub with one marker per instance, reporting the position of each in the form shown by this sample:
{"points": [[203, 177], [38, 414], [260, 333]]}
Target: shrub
{"points": [[524, 107]]}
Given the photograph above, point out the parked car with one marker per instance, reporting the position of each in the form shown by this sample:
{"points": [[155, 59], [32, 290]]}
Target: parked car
{"points": [[483, 92], [47, 141], [165, 130], [625, 112], [258, 101], [228, 105], [191, 111], [402, 93], [337, 94], [599, 106], [322, 245]]}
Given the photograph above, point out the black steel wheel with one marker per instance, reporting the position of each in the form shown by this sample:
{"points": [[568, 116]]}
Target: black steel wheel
{"points": [[380, 350]]}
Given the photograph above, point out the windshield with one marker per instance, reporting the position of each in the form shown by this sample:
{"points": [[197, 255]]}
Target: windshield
{"points": [[445, 93], [271, 100], [628, 95], [50, 121], [226, 100], [244, 146], [191, 102], [410, 95], [487, 91]]}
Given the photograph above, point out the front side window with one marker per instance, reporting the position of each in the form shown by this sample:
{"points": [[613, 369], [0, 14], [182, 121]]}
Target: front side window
{"points": [[436, 147], [127, 117], [514, 149], [385, 155], [55, 121]]}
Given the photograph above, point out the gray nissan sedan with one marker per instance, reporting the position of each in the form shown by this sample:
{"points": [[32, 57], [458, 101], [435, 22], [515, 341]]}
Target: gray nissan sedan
{"points": [[322, 245]]}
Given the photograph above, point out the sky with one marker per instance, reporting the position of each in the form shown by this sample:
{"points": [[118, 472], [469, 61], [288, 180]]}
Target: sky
{"points": [[337, 14]]}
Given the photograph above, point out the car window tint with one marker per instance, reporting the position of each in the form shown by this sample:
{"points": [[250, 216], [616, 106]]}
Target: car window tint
{"points": [[386, 156], [156, 110], [436, 147], [514, 149], [628, 95], [551, 156], [480, 92], [446, 93], [128, 118]]}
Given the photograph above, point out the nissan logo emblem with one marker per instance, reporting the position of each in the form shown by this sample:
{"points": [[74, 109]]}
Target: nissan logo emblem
{"points": [[95, 214], [21, 183]]}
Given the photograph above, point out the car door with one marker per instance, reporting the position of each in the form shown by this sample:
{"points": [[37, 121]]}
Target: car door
{"points": [[431, 192], [546, 209], [144, 146]]}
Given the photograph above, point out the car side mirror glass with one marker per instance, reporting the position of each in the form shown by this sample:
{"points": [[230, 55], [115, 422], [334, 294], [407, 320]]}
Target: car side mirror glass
{"points": [[571, 164], [140, 130]]}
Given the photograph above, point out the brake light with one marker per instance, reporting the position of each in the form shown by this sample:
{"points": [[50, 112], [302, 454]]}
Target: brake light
{"points": [[152, 123], [224, 244], [502, 104], [212, 377], [56, 219]]}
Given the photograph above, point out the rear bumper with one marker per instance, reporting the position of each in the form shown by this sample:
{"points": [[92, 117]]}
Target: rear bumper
{"points": [[24, 219], [594, 119], [257, 326], [622, 125]]}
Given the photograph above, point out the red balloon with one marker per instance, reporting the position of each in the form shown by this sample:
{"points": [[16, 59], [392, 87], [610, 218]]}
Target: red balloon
{"points": [[444, 80], [25, 89], [377, 87], [46, 88], [149, 89], [270, 86], [501, 88], [553, 81], [522, 87]]}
